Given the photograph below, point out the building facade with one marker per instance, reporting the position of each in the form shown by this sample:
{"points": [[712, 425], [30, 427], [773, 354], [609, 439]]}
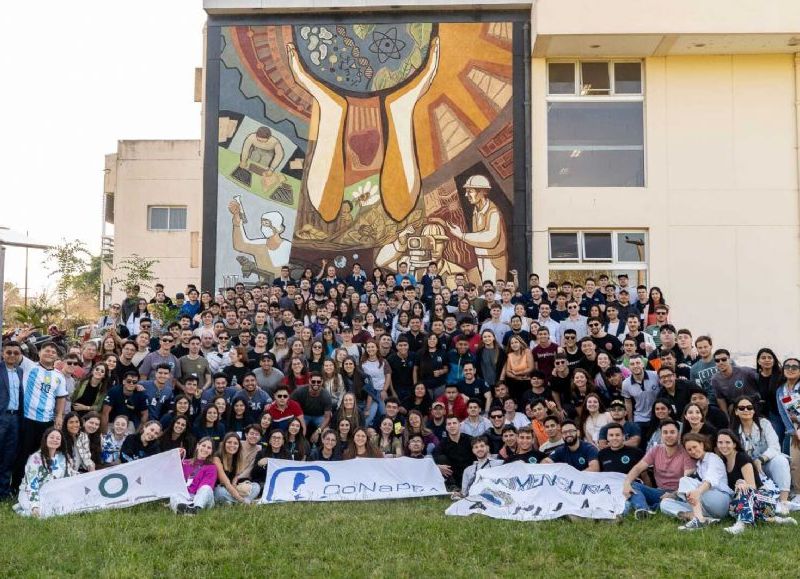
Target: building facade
{"points": [[658, 140], [153, 208]]}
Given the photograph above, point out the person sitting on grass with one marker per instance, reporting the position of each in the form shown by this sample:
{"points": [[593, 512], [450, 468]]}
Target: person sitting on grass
{"points": [[229, 462], [142, 444], [707, 495], [328, 450], [618, 456], [200, 475], [752, 502], [483, 460], [48, 463]]}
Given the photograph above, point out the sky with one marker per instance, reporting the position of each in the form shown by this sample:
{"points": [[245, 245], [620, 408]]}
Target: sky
{"points": [[78, 77]]}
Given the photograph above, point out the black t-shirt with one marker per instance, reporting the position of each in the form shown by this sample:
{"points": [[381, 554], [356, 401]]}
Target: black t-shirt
{"points": [[477, 389], [621, 460], [735, 474], [609, 344], [562, 386], [402, 373], [533, 456], [89, 395], [131, 405]]}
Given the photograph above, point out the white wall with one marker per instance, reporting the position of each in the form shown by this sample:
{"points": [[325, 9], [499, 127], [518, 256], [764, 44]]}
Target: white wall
{"points": [[721, 201]]}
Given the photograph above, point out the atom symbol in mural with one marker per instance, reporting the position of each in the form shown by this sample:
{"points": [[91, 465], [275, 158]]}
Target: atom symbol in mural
{"points": [[386, 45]]}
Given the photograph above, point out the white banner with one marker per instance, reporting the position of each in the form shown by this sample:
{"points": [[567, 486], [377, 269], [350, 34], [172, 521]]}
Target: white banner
{"points": [[362, 479], [540, 492], [141, 481]]}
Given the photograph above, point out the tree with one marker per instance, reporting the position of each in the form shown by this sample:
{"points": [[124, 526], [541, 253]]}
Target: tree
{"points": [[38, 313], [134, 270], [69, 260], [89, 281]]}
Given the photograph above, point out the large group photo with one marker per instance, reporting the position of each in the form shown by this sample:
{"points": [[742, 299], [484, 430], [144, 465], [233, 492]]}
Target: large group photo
{"points": [[418, 289]]}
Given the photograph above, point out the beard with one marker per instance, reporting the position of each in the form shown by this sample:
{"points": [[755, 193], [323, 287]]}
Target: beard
{"points": [[570, 439]]}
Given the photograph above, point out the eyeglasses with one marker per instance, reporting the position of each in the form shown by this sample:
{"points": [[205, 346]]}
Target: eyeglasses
{"points": [[747, 408], [719, 360], [791, 366], [281, 396]]}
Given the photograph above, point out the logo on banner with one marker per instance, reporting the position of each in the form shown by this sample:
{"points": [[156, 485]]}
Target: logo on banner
{"points": [[301, 475]]}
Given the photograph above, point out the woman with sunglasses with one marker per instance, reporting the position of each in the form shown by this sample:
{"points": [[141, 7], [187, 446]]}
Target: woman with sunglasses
{"points": [[280, 348], [787, 397], [752, 502], [759, 441]]}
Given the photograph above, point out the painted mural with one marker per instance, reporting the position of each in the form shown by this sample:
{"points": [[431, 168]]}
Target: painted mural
{"points": [[376, 143]]}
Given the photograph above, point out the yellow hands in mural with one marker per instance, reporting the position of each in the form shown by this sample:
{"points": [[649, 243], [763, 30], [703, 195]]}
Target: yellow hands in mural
{"points": [[400, 181]]}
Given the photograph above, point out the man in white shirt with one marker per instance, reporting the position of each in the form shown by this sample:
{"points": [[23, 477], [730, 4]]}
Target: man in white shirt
{"points": [[480, 448], [475, 424]]}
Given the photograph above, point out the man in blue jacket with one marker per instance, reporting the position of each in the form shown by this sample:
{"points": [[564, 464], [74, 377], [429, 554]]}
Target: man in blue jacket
{"points": [[11, 396]]}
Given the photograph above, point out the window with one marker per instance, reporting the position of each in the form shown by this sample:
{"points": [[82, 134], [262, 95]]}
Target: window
{"points": [[595, 124], [166, 218], [575, 255], [628, 247]]}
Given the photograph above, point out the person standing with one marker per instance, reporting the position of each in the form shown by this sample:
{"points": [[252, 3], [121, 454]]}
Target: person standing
{"points": [[11, 397], [43, 402]]}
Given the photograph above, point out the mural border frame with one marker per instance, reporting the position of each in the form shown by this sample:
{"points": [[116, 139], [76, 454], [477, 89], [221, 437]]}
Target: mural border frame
{"points": [[522, 222]]}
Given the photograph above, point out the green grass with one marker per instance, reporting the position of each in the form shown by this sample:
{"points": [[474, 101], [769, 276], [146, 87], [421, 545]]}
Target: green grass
{"points": [[381, 539]]}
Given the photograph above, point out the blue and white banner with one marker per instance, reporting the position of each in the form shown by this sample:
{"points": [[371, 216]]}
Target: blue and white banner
{"points": [[149, 479], [540, 492], [362, 479]]}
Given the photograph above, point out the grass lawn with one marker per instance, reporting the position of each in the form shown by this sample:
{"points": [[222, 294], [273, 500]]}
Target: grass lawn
{"points": [[410, 538]]}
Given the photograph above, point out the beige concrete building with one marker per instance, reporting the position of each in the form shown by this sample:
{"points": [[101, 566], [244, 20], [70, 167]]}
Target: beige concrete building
{"points": [[664, 144], [153, 200]]}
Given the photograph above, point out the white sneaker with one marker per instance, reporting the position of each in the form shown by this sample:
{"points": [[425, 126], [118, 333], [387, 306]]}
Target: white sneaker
{"points": [[783, 521], [737, 529], [782, 508]]}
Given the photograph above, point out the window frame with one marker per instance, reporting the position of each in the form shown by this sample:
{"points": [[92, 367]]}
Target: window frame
{"points": [[583, 262], [613, 97], [170, 209]]}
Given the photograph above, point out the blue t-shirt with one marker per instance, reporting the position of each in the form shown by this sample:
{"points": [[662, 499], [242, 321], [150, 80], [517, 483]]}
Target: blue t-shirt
{"points": [[157, 400], [578, 459]]}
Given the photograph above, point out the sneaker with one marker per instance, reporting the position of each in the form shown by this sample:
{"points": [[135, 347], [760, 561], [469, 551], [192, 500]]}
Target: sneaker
{"points": [[184, 509], [737, 529], [642, 514], [782, 508], [696, 523], [783, 521]]}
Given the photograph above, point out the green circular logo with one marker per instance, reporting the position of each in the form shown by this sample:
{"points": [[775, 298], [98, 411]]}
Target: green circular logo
{"points": [[123, 486]]}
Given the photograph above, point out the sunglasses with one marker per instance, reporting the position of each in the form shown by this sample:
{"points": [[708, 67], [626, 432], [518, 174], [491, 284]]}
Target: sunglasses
{"points": [[570, 337], [69, 363], [560, 362], [281, 396], [572, 307], [719, 360], [594, 325], [745, 408], [496, 416], [316, 382], [791, 366], [131, 381], [167, 340]]}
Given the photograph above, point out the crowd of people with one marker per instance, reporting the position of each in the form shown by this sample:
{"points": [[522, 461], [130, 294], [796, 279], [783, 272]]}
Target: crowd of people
{"points": [[337, 365]]}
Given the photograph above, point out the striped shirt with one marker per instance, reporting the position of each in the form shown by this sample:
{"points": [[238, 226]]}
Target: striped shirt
{"points": [[41, 388]]}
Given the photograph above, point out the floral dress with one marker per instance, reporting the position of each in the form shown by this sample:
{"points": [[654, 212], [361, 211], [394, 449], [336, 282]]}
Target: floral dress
{"points": [[37, 474]]}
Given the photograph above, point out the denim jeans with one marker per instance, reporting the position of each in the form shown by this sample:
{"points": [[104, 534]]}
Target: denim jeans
{"points": [[715, 504], [778, 470], [204, 499], [644, 498], [312, 423], [221, 494]]}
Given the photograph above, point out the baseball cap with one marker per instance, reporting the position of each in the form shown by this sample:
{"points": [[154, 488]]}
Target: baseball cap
{"points": [[437, 403], [617, 402]]}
